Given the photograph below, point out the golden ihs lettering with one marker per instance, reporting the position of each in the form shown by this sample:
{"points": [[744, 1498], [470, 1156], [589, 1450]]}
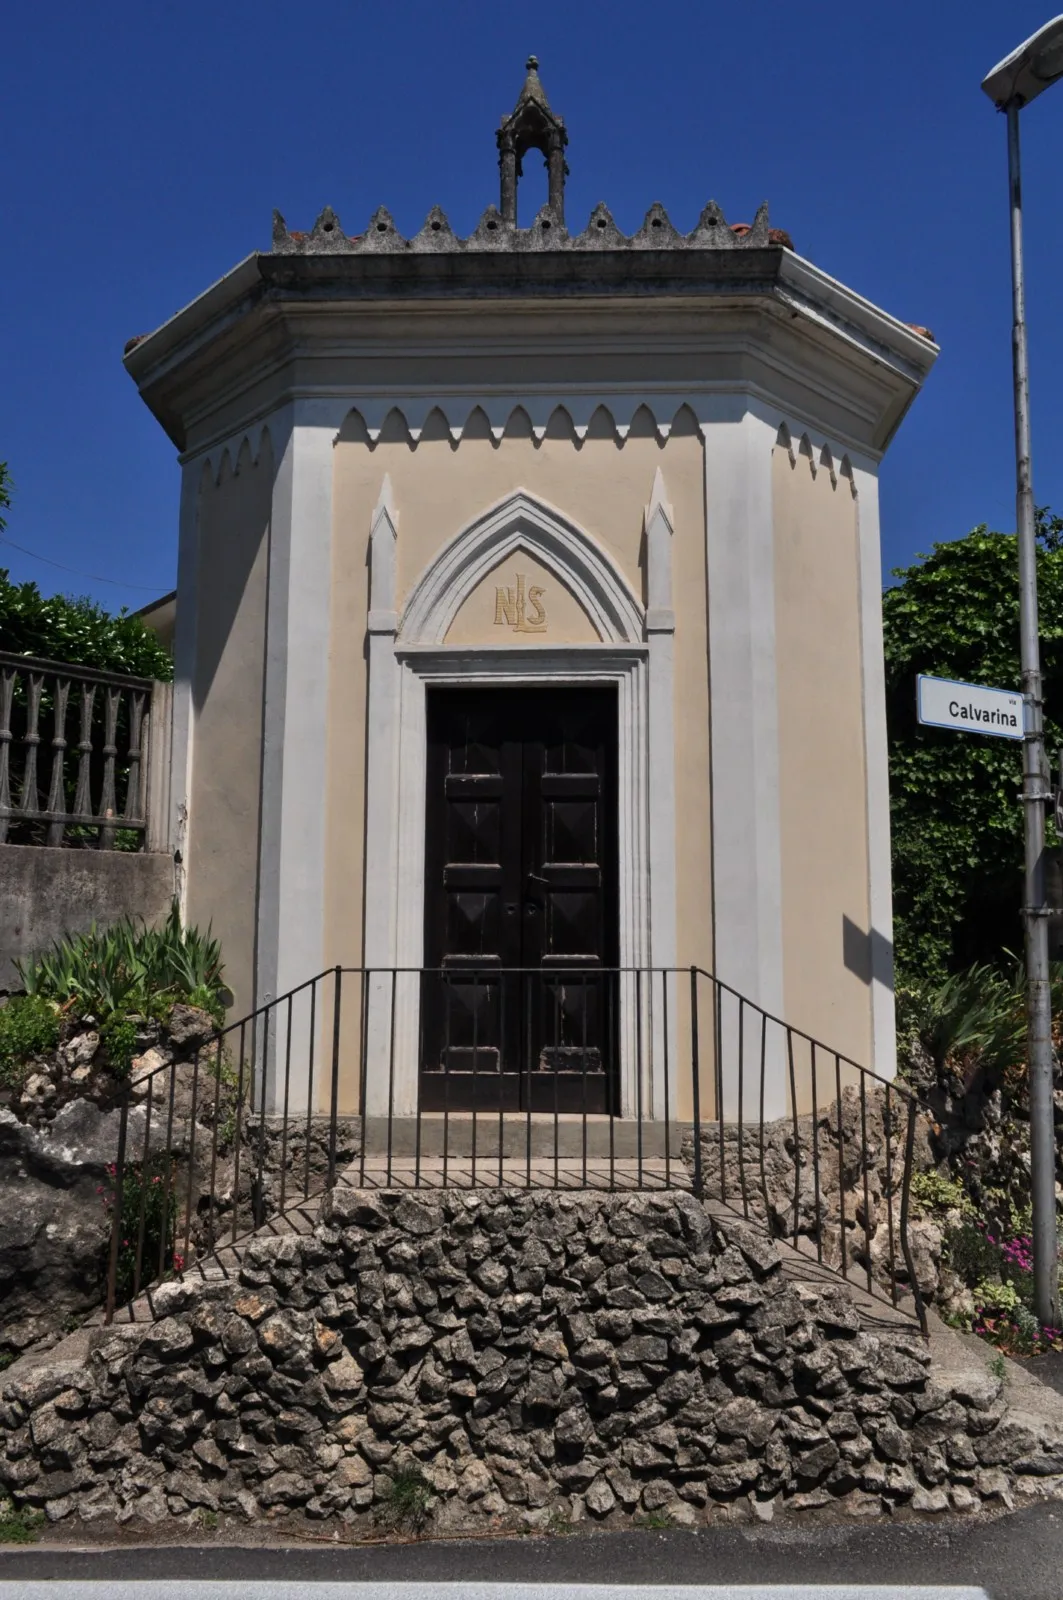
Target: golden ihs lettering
{"points": [[520, 609]]}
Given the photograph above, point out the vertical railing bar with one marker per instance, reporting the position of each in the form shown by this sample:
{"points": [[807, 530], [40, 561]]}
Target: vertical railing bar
{"points": [[867, 1188], [741, 1093], [768, 1220], [108, 801], [841, 1166], [638, 1075], [28, 801], [7, 695], [475, 1064], [717, 1019], [310, 1090], [238, 1134], [391, 1082], [695, 1077], [131, 811], [583, 1060], [57, 788], [214, 1143], [334, 1086], [665, 976], [364, 986], [446, 1080], [909, 1153], [191, 1159], [529, 1034], [502, 986], [558, 1037], [886, 1120], [287, 1100], [167, 1164], [797, 1134], [145, 1166], [613, 1082], [815, 1155], [258, 1211], [420, 1068], [116, 1218], [83, 793]]}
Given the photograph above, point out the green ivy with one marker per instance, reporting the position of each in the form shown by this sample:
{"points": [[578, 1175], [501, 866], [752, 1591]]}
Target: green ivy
{"points": [[69, 628], [955, 798]]}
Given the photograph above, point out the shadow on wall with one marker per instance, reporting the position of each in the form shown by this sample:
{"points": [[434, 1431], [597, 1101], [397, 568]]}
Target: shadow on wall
{"points": [[867, 955]]}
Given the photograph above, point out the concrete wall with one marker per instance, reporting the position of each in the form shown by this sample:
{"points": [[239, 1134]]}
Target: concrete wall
{"points": [[46, 893], [223, 835], [822, 763]]}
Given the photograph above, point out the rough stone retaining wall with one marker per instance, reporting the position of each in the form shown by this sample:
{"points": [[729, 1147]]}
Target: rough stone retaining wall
{"points": [[522, 1358]]}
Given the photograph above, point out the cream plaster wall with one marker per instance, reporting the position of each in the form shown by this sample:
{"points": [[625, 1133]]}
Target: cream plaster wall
{"points": [[233, 539], [822, 766], [438, 488]]}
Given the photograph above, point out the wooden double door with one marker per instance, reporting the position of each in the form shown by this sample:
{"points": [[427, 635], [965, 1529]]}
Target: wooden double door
{"points": [[519, 996]]}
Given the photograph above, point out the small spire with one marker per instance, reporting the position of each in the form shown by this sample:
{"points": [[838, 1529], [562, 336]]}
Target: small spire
{"points": [[533, 87], [532, 125]]}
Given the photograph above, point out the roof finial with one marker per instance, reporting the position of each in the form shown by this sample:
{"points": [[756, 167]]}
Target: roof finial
{"points": [[532, 125]]}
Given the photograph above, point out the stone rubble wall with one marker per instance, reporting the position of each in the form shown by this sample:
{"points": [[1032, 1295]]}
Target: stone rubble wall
{"points": [[833, 1184], [520, 1359]]}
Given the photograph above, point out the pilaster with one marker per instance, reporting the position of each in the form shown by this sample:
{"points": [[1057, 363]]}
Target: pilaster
{"points": [[183, 723], [746, 854], [876, 756], [291, 883]]}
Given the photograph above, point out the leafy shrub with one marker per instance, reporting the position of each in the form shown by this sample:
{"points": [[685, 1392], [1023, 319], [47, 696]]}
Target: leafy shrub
{"points": [[933, 1191], [29, 1026], [956, 821], [989, 1296], [130, 968], [972, 1018], [64, 628], [18, 1524], [969, 1252], [118, 1036], [406, 1501]]}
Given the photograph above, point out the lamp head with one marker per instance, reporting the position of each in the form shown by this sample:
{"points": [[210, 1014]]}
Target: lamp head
{"points": [[1030, 69]]}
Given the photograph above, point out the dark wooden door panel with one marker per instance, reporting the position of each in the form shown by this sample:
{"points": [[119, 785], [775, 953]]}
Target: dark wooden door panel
{"points": [[520, 900]]}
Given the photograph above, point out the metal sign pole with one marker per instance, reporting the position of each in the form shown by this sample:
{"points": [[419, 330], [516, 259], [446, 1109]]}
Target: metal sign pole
{"points": [[1035, 794]]}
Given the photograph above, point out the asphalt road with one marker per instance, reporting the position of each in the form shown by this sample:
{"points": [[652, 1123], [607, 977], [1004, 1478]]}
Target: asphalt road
{"points": [[1018, 1557]]}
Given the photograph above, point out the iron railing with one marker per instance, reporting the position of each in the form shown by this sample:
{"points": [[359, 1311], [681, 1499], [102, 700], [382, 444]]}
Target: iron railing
{"points": [[482, 1077], [98, 794]]}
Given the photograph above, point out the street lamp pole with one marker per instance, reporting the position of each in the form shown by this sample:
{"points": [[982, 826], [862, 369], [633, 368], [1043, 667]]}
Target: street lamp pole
{"points": [[1011, 85], [1035, 794]]}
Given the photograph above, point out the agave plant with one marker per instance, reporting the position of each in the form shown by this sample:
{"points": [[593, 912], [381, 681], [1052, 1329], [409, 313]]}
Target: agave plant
{"points": [[972, 1016]]}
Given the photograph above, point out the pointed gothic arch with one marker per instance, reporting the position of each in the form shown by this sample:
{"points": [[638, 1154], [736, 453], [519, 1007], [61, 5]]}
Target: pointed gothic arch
{"points": [[521, 522]]}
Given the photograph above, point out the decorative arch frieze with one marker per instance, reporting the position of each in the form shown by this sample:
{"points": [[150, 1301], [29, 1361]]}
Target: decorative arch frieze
{"points": [[818, 453], [412, 413], [247, 444], [521, 522]]}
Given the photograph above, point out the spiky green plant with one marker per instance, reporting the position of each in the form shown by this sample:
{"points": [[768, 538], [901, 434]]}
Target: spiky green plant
{"points": [[129, 967], [973, 1014]]}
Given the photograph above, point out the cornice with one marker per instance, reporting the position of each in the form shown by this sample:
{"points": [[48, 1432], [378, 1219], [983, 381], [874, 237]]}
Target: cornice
{"points": [[282, 329]]}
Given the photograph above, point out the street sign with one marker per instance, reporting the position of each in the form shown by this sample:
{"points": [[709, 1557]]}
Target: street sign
{"points": [[969, 707]]}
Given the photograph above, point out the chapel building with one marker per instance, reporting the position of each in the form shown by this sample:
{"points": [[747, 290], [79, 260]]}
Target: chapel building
{"points": [[528, 637]]}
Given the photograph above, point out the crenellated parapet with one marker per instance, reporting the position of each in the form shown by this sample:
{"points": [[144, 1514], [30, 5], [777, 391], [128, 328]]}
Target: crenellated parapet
{"points": [[494, 234]]}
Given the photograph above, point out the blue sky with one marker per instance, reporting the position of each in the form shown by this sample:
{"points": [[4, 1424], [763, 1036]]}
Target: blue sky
{"points": [[145, 146]]}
